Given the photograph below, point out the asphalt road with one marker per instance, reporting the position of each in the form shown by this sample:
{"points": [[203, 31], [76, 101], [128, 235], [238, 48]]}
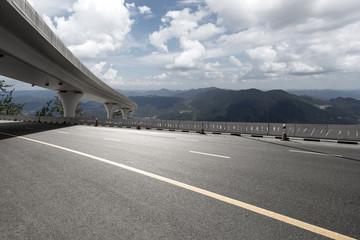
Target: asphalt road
{"points": [[85, 182]]}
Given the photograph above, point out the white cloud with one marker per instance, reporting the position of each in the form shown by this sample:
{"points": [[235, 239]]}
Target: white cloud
{"points": [[161, 76], [53, 7], [262, 53], [130, 5], [260, 41], [273, 67], [316, 14], [94, 28], [235, 61], [313, 40], [178, 24], [104, 71], [349, 62], [98, 69], [144, 10], [303, 68], [192, 56], [205, 32], [212, 70]]}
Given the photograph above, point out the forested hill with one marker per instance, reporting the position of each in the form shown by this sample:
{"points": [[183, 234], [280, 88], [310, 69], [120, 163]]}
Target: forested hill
{"points": [[250, 106], [273, 106], [213, 104]]}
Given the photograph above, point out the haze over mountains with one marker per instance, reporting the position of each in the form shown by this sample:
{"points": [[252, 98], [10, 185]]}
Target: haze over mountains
{"points": [[213, 104]]}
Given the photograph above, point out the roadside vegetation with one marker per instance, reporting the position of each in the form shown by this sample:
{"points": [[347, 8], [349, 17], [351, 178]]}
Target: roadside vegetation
{"points": [[7, 106]]}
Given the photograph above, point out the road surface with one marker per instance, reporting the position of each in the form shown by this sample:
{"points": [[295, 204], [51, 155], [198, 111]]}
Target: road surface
{"points": [[86, 182]]}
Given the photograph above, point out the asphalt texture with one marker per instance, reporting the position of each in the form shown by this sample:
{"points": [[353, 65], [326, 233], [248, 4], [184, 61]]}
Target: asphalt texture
{"points": [[47, 192]]}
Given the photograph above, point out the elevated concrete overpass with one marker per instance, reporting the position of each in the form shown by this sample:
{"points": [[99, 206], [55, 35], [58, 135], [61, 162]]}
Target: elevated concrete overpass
{"points": [[32, 53]]}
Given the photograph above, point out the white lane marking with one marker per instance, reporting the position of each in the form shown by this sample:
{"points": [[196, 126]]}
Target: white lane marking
{"points": [[63, 132], [249, 207], [187, 139], [209, 154], [112, 139], [315, 153]]}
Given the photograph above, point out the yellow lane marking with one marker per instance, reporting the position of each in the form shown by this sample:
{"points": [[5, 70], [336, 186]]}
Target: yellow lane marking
{"points": [[264, 212]]}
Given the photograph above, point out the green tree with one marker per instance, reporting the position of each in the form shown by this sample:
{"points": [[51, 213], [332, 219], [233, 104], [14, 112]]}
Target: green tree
{"points": [[7, 106], [55, 109], [46, 111]]}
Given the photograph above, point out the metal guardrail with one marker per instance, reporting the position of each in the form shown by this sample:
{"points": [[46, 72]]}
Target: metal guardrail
{"points": [[311, 131]]}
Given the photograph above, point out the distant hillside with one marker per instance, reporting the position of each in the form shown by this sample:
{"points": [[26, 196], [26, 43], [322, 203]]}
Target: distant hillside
{"points": [[165, 92], [193, 92], [273, 106], [327, 94], [213, 104], [160, 93], [34, 99]]}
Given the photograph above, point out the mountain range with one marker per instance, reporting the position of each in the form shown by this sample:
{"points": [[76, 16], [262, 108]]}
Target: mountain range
{"points": [[213, 104]]}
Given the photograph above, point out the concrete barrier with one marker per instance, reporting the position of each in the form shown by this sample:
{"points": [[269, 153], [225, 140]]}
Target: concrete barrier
{"points": [[310, 130], [343, 132], [307, 131]]}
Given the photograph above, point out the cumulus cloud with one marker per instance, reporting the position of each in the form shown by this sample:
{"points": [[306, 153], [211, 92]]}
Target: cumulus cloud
{"points": [[144, 10], [281, 37], [213, 70], [184, 23], [93, 28], [303, 68], [318, 14], [235, 61], [254, 40], [192, 56], [262, 53], [161, 76], [130, 5], [104, 71], [51, 8]]}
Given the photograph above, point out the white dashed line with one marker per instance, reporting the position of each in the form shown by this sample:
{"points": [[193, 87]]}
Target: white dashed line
{"points": [[186, 139], [315, 153], [111, 139], [209, 154]]}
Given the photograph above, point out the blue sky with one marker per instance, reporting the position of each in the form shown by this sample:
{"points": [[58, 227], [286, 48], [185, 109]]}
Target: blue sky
{"points": [[184, 44]]}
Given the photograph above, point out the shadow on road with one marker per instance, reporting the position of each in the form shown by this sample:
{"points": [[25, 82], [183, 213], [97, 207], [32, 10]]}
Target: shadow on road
{"points": [[26, 128], [305, 148]]}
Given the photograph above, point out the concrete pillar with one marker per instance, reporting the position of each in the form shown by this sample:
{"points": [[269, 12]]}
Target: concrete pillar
{"points": [[110, 110], [69, 101], [125, 112]]}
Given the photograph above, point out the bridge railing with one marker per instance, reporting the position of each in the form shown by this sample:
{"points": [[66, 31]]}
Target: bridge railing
{"points": [[311, 131]]}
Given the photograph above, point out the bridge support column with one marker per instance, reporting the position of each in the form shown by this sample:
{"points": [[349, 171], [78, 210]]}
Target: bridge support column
{"points": [[69, 101], [110, 110], [125, 113]]}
